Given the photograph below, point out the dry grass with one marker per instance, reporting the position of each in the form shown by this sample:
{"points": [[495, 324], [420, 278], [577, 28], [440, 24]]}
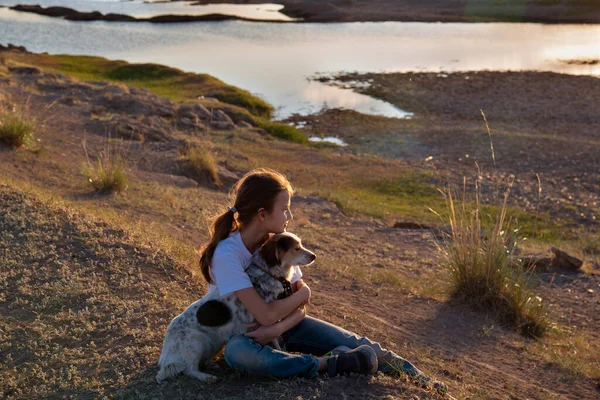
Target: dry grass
{"points": [[84, 306], [200, 165], [478, 253], [16, 126], [107, 174]]}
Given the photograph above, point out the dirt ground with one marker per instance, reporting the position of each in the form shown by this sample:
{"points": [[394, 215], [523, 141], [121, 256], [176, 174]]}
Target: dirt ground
{"points": [[544, 131], [88, 320]]}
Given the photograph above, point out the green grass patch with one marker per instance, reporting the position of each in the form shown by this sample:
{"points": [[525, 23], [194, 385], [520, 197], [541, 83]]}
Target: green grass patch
{"points": [[16, 128], [282, 131], [409, 195], [164, 81]]}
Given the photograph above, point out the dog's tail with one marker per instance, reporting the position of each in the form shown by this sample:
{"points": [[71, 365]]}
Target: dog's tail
{"points": [[170, 370]]}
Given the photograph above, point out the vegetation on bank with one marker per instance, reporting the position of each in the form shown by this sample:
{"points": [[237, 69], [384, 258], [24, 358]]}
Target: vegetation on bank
{"points": [[16, 127], [168, 82], [480, 252]]}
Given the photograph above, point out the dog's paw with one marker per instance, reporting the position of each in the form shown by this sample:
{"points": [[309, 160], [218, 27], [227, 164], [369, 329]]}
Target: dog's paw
{"points": [[213, 366]]}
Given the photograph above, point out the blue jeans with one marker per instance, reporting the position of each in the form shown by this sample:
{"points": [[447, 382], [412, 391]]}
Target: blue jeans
{"points": [[312, 338]]}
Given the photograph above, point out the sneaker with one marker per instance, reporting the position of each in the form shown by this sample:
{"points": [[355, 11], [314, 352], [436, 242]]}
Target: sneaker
{"points": [[361, 360], [427, 383]]}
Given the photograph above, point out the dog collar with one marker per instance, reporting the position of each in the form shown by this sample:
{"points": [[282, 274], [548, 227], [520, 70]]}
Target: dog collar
{"points": [[287, 288]]}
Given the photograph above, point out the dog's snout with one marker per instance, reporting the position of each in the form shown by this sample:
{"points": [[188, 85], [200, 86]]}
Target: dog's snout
{"points": [[312, 257]]}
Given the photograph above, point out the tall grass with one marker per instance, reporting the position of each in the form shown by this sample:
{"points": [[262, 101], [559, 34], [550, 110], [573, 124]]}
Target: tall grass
{"points": [[479, 251], [200, 165], [16, 127], [107, 174]]}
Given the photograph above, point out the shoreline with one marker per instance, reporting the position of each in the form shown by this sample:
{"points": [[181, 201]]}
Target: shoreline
{"points": [[308, 12]]}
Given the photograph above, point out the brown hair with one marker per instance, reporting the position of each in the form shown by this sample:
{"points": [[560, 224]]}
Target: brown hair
{"points": [[257, 189]]}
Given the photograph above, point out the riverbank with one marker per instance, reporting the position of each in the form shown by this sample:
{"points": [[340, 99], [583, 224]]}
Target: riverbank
{"points": [[90, 281], [540, 11], [547, 139], [548, 12]]}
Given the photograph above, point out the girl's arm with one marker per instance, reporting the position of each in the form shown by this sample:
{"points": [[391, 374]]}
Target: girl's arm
{"points": [[268, 314], [265, 334]]}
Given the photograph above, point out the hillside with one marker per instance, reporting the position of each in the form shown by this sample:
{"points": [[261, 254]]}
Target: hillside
{"points": [[90, 281]]}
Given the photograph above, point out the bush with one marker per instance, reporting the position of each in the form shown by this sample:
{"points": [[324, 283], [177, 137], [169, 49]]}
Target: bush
{"points": [[16, 129], [479, 251]]}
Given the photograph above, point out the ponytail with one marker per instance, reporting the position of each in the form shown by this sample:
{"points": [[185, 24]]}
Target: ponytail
{"points": [[220, 229]]}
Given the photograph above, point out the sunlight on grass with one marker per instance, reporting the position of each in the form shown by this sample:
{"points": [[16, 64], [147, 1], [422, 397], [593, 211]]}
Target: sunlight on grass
{"points": [[107, 174], [169, 82], [478, 252], [16, 127], [200, 165]]}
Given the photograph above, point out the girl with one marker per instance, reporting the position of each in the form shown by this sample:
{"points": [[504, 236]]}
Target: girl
{"points": [[262, 206]]}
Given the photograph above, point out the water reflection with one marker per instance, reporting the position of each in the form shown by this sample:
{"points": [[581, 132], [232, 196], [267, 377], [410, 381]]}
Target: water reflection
{"points": [[276, 60]]}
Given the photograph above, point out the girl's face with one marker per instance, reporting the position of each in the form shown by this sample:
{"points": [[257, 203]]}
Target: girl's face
{"points": [[277, 220]]}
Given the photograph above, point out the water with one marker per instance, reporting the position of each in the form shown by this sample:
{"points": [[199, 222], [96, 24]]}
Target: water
{"points": [[275, 61]]}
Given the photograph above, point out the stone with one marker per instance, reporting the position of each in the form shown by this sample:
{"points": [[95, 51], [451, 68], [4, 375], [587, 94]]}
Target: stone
{"points": [[244, 124], [562, 260]]}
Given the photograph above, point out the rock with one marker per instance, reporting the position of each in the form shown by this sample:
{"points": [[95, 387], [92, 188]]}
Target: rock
{"points": [[410, 225], [221, 120], [9, 47], [24, 70], [151, 128], [201, 111], [596, 265], [244, 124], [220, 115], [190, 124], [126, 105], [536, 263], [227, 177], [183, 182], [563, 260], [222, 125]]}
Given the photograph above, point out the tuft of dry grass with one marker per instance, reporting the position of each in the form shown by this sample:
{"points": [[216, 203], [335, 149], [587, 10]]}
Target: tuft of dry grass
{"points": [[478, 252], [16, 126], [200, 165], [107, 174]]}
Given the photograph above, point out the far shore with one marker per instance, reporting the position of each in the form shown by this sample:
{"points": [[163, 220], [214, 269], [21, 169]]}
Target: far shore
{"points": [[574, 12]]}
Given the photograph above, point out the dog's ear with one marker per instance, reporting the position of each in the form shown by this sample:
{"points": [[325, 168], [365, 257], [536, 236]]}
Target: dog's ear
{"points": [[285, 243], [270, 253]]}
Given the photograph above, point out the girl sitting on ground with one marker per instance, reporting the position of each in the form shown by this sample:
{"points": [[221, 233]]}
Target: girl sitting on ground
{"points": [[262, 208]]}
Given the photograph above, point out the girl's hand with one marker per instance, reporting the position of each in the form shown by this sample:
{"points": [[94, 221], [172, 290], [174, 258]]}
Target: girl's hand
{"points": [[262, 334]]}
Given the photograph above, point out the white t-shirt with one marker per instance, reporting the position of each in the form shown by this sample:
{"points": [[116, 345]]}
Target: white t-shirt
{"points": [[228, 263]]}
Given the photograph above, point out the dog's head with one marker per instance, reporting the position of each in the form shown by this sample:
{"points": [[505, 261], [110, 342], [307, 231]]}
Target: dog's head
{"points": [[285, 250]]}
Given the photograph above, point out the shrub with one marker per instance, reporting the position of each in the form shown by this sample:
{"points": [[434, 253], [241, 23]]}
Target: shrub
{"points": [[200, 165], [107, 175], [479, 251], [16, 129]]}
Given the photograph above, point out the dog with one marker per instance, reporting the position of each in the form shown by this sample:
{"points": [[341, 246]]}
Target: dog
{"points": [[195, 336]]}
